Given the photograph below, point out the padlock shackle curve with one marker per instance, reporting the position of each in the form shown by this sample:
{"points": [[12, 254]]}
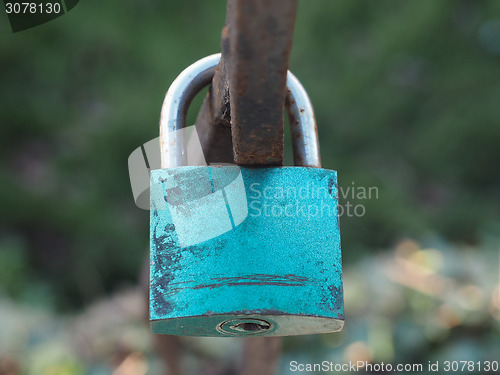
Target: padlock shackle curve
{"points": [[175, 107], [303, 126]]}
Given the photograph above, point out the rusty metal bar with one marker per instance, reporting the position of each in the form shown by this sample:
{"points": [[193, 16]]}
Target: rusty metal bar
{"points": [[260, 38], [248, 91]]}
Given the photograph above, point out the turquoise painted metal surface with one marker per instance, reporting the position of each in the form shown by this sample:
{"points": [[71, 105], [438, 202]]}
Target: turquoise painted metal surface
{"points": [[242, 251]]}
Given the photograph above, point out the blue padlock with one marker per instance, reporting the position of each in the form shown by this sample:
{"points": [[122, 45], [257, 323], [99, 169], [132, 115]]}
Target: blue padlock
{"points": [[243, 251]]}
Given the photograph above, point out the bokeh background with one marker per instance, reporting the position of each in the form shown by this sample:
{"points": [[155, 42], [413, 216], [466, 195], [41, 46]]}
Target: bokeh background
{"points": [[407, 100]]}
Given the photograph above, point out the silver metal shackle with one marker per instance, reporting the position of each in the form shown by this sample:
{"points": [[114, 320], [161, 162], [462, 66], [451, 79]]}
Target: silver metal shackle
{"points": [[198, 75]]}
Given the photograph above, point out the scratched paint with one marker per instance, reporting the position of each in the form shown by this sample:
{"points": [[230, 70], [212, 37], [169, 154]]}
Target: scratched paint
{"points": [[281, 264]]}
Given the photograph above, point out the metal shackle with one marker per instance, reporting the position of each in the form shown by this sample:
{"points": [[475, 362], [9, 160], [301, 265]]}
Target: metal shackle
{"points": [[198, 75]]}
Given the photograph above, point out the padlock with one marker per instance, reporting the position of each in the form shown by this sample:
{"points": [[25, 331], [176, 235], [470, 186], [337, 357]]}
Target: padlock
{"points": [[239, 251]]}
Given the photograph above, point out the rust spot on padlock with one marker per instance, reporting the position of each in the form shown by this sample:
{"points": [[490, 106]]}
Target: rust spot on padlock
{"points": [[331, 184], [276, 280]]}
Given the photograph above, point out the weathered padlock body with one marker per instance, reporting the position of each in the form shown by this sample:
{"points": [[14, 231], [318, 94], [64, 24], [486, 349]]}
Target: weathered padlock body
{"points": [[245, 251]]}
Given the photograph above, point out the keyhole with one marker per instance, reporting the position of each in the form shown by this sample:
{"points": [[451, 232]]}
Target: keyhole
{"points": [[251, 327], [244, 326]]}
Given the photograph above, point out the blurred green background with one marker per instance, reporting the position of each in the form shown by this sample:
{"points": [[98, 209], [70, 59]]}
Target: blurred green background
{"points": [[407, 100]]}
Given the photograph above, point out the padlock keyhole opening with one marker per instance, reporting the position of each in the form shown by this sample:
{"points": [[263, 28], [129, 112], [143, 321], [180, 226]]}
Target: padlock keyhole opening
{"points": [[252, 327], [244, 326]]}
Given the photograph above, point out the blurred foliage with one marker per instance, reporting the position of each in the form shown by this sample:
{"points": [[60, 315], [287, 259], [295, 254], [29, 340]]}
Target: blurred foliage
{"points": [[411, 305], [406, 98]]}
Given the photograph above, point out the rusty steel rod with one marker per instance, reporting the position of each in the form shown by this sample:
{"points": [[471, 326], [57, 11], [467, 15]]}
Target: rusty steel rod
{"points": [[260, 43], [245, 103]]}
